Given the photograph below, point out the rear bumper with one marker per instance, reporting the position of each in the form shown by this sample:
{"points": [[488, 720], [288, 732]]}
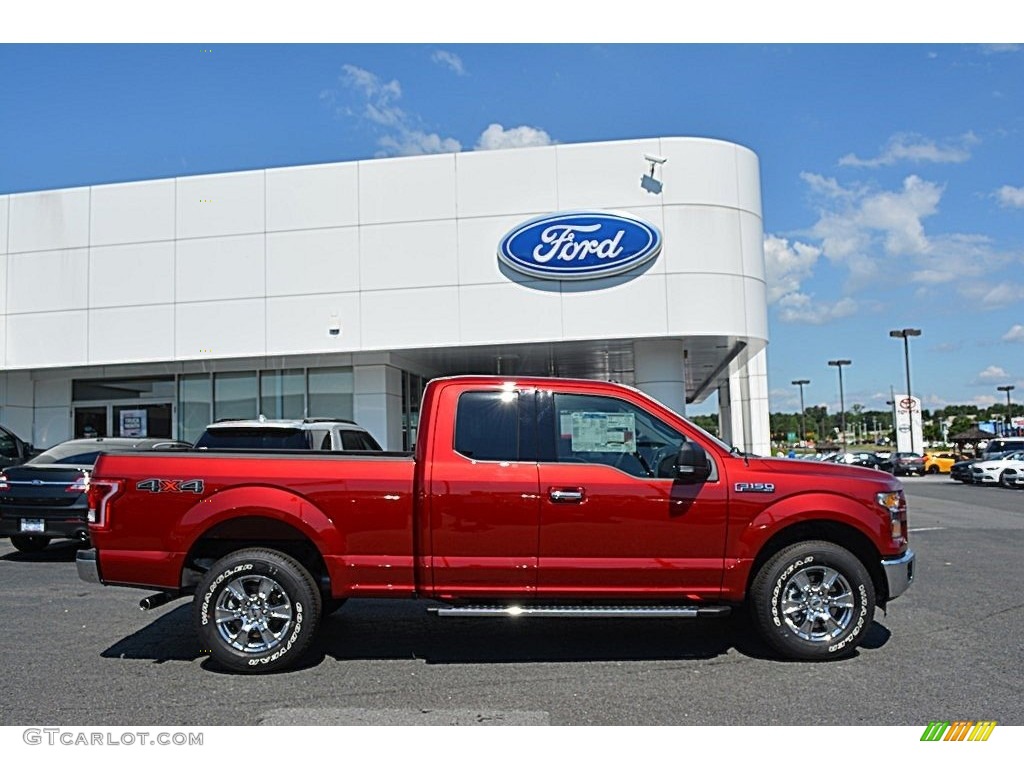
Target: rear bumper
{"points": [[88, 565], [65, 528], [899, 573]]}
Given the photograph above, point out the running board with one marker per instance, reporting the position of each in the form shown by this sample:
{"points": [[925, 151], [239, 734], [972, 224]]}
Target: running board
{"points": [[587, 612]]}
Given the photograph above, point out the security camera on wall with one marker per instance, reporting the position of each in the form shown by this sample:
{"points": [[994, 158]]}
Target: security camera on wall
{"points": [[655, 160], [648, 182]]}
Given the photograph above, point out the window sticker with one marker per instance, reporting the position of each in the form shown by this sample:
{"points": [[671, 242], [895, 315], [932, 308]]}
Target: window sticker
{"points": [[602, 432]]}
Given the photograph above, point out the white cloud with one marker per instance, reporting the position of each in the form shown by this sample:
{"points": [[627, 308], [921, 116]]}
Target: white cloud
{"points": [[495, 136], [912, 147], [1000, 48], [989, 296], [1016, 333], [801, 308], [993, 373], [787, 266], [450, 60], [399, 132], [1010, 197]]}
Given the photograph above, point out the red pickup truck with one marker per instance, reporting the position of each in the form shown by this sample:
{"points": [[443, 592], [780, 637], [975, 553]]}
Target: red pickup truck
{"points": [[525, 497]]}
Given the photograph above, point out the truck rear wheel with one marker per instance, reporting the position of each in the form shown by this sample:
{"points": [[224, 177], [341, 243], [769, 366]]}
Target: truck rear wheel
{"points": [[813, 600], [256, 610]]}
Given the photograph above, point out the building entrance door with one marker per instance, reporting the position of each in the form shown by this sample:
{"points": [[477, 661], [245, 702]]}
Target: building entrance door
{"points": [[124, 420]]}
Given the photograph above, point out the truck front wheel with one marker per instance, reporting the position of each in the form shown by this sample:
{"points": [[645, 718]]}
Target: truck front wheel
{"points": [[256, 610], [813, 600]]}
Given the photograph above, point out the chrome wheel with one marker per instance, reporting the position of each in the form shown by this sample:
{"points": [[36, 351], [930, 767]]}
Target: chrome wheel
{"points": [[253, 614], [817, 603]]}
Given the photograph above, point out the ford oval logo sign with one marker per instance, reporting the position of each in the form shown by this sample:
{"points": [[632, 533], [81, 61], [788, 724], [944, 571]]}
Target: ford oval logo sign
{"points": [[579, 244]]}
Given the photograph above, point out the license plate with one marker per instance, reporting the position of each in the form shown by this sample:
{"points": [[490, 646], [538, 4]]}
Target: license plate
{"points": [[32, 526]]}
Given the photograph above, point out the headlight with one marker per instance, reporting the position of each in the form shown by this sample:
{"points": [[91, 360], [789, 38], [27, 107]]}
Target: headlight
{"points": [[895, 503]]}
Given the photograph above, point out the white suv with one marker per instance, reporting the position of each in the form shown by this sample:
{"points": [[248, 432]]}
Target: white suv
{"points": [[286, 434]]}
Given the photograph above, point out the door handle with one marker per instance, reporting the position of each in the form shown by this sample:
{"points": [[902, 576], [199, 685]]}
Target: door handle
{"points": [[566, 495]]}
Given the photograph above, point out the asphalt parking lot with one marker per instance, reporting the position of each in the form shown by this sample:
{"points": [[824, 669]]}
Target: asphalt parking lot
{"points": [[81, 654]]}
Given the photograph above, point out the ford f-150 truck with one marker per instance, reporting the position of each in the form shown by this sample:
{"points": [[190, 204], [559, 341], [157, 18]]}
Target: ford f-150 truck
{"points": [[525, 497]]}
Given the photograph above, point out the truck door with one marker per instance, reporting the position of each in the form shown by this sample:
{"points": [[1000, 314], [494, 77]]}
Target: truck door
{"points": [[483, 495], [614, 520]]}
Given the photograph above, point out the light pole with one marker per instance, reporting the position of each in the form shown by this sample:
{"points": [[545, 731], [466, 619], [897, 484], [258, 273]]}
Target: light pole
{"points": [[803, 423], [905, 334], [1007, 388], [842, 403]]}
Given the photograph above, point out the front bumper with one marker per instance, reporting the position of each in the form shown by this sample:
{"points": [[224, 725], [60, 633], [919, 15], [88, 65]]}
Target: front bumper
{"points": [[88, 564], [899, 573]]}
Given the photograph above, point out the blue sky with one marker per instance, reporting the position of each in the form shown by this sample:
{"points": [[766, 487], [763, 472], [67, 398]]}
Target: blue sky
{"points": [[892, 175]]}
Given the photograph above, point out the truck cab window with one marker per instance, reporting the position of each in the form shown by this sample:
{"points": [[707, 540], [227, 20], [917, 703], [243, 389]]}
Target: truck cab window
{"points": [[603, 430], [487, 426]]}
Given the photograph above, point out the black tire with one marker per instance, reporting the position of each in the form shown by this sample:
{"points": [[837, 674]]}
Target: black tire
{"points": [[1005, 478], [820, 623], [270, 592], [933, 469], [30, 544]]}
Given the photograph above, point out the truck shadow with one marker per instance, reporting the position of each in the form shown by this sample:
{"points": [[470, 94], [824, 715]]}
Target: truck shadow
{"points": [[63, 551], [403, 629]]}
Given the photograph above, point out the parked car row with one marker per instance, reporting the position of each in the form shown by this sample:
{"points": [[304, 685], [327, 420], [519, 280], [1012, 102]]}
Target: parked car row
{"points": [[44, 497], [1005, 469]]}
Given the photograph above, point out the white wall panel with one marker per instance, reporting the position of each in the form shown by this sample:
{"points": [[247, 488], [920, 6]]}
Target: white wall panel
{"points": [[756, 302], [52, 426], [52, 392], [3, 284], [132, 213], [3, 351], [415, 255], [47, 339], [748, 176], [615, 310], [752, 245], [220, 329], [48, 221], [18, 419], [131, 334], [407, 189], [222, 204], [220, 268], [300, 324], [313, 196], [315, 261], [706, 305], [427, 317], [128, 275], [609, 172], [702, 239], [699, 171], [5, 203], [510, 312], [478, 248], [20, 389], [507, 181], [48, 281]]}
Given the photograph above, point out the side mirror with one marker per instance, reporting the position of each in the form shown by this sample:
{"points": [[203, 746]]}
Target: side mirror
{"points": [[692, 465]]}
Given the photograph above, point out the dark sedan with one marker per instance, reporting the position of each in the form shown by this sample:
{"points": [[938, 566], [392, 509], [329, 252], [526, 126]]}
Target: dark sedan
{"points": [[906, 463], [862, 459], [45, 498]]}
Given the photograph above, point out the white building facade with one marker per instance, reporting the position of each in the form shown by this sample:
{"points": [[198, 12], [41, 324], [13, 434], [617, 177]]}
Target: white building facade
{"points": [[340, 289]]}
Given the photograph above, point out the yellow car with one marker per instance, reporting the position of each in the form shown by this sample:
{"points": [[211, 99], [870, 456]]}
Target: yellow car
{"points": [[939, 462]]}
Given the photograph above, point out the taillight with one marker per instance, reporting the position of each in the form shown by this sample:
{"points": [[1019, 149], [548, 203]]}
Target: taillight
{"points": [[3, 483], [100, 492], [81, 485]]}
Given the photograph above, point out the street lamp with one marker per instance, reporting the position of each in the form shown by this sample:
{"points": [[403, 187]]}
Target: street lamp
{"points": [[803, 423], [842, 403], [905, 334], [1007, 388]]}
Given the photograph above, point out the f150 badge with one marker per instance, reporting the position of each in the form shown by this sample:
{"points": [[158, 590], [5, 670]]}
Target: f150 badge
{"points": [[157, 485], [575, 245], [755, 487]]}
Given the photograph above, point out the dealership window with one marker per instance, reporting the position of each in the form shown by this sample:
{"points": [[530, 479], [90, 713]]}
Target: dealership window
{"points": [[282, 394], [84, 390], [487, 426], [195, 405], [330, 393], [412, 394], [604, 430], [234, 395]]}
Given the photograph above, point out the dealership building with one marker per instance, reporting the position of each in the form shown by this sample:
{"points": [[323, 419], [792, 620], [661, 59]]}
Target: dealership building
{"points": [[338, 290]]}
